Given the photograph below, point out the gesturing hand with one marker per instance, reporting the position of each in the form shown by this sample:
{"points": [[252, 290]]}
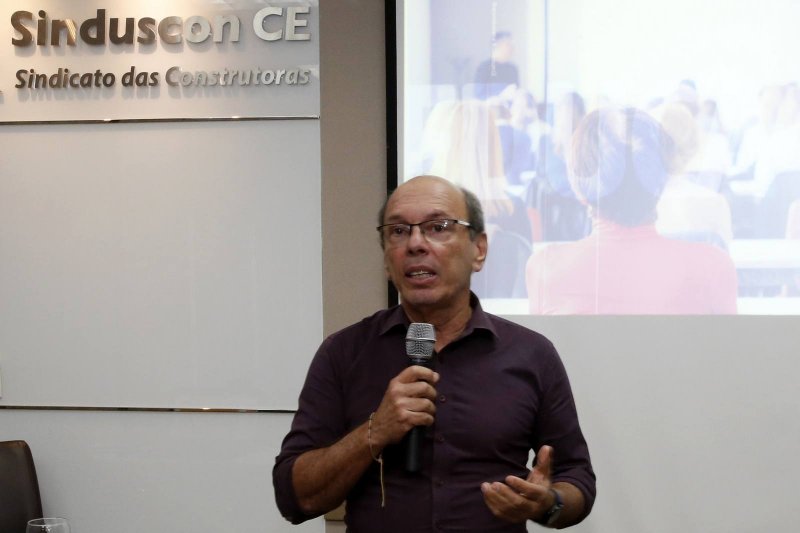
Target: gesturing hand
{"points": [[518, 500], [407, 402]]}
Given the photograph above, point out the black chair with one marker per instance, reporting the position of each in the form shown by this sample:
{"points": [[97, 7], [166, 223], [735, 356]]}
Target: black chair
{"points": [[560, 216], [19, 487]]}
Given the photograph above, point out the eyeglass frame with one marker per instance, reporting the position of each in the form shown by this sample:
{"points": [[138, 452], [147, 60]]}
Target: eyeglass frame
{"points": [[455, 221]]}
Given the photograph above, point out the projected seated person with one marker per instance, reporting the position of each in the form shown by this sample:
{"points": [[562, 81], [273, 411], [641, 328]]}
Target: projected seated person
{"points": [[563, 218], [495, 392], [618, 168], [688, 210], [755, 155], [466, 148], [515, 143], [552, 163]]}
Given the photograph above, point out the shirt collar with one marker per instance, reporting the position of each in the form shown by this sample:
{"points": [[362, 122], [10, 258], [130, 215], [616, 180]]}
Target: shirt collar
{"points": [[395, 318], [479, 320]]}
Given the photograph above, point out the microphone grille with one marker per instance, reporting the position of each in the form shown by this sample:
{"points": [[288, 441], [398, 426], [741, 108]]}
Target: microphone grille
{"points": [[420, 340]]}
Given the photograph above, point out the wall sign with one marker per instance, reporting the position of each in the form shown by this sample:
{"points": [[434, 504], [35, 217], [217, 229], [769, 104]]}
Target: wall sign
{"points": [[177, 59]]}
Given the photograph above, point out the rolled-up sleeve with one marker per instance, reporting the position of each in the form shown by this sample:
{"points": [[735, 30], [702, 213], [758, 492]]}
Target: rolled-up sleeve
{"points": [[557, 426], [318, 423]]}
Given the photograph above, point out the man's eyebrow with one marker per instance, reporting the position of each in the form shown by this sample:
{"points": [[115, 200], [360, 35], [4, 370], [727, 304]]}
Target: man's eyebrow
{"points": [[433, 215]]}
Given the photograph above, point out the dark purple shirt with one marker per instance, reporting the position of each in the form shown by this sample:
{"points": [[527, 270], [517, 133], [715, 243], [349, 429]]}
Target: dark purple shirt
{"points": [[503, 391]]}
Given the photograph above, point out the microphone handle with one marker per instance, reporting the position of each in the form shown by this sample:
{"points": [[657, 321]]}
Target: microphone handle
{"points": [[417, 434], [413, 446]]}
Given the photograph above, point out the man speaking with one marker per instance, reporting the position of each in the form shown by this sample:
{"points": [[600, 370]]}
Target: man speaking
{"points": [[494, 392]]}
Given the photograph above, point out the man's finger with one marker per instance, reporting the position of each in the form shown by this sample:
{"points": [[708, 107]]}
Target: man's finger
{"points": [[540, 474], [504, 502], [530, 491], [498, 496], [418, 389], [418, 405], [417, 373]]}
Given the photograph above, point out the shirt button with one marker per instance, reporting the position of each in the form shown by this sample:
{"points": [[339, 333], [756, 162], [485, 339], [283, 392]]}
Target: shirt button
{"points": [[439, 438], [442, 398]]}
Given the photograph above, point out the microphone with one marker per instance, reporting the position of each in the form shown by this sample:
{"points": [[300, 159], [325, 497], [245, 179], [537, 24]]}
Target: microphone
{"points": [[420, 340]]}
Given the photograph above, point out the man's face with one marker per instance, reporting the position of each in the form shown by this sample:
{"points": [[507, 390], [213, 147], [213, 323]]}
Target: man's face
{"points": [[431, 276]]}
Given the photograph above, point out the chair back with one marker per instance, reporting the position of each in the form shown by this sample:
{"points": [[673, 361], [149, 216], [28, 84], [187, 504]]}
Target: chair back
{"points": [[503, 274], [19, 487]]}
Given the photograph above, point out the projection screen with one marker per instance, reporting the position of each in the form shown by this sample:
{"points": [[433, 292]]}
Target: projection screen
{"points": [[491, 96], [691, 413]]}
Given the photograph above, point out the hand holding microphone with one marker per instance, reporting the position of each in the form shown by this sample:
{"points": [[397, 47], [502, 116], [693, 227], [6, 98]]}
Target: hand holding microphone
{"points": [[409, 398]]}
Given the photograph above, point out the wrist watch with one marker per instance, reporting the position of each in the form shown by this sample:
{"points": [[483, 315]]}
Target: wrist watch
{"points": [[553, 513]]}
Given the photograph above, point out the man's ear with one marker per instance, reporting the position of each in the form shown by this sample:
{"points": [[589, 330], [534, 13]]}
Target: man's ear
{"points": [[481, 244]]}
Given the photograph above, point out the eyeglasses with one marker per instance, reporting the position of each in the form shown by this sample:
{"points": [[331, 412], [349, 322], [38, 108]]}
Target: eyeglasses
{"points": [[439, 230]]}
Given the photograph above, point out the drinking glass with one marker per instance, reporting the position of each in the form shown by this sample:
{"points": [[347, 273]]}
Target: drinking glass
{"points": [[48, 525]]}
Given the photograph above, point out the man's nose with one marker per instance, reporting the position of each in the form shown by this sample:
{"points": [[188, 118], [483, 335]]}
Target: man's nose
{"points": [[416, 240]]}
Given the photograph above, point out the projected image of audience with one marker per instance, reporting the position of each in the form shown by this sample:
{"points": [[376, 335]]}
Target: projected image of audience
{"points": [[619, 167], [624, 169]]}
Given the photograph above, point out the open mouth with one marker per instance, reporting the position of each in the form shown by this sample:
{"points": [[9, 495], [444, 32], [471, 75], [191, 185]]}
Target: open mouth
{"points": [[420, 274]]}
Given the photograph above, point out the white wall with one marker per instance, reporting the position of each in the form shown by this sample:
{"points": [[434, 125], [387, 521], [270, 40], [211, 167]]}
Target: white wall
{"points": [[692, 422], [134, 471], [145, 471], [159, 265]]}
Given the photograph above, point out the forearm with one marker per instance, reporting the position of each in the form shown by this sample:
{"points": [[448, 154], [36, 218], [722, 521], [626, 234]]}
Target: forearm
{"points": [[573, 504], [322, 478]]}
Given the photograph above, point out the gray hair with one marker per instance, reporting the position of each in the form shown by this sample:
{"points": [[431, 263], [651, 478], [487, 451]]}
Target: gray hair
{"points": [[474, 212]]}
